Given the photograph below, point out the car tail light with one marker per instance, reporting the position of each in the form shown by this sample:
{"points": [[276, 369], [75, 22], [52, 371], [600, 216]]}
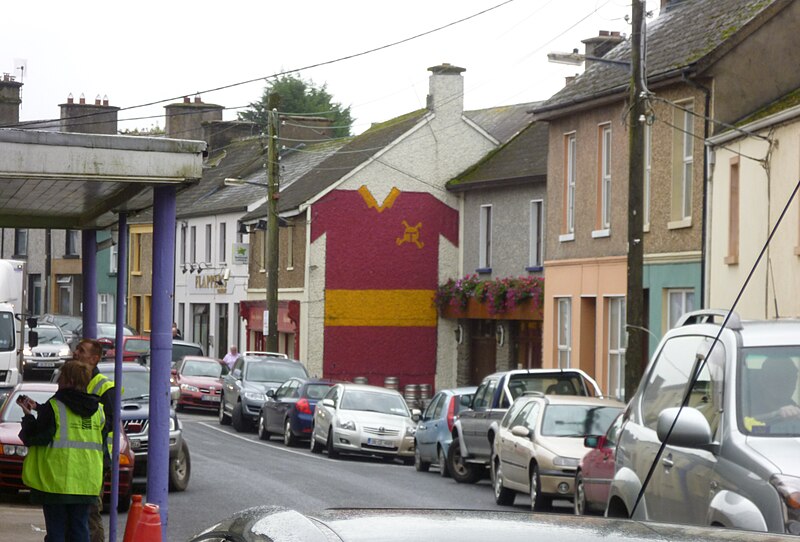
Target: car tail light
{"points": [[303, 406], [451, 413]]}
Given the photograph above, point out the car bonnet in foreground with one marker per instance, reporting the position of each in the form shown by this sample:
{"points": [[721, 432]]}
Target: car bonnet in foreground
{"points": [[282, 525]]}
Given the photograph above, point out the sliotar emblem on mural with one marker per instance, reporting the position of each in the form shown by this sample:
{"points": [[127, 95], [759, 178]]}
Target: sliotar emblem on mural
{"points": [[411, 235]]}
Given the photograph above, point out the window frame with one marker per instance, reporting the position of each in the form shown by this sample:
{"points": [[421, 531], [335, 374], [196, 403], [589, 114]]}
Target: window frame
{"points": [[485, 238], [604, 178], [21, 242], [570, 166], [71, 242], [734, 206], [670, 321], [223, 241], [648, 155], [536, 240], [617, 346], [564, 335], [208, 243]]}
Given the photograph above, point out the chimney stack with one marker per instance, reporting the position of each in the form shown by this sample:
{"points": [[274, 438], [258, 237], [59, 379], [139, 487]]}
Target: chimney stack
{"points": [[185, 120], [597, 47], [9, 100], [446, 94], [83, 118]]}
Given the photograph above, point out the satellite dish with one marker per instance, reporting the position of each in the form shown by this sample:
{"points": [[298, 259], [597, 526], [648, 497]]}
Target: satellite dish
{"points": [[21, 68]]}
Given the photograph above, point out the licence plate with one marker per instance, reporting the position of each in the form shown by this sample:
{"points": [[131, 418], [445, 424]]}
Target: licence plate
{"points": [[47, 364], [212, 398], [380, 442]]}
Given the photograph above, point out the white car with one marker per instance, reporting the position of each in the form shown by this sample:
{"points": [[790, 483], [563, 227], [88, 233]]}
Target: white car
{"points": [[48, 355], [364, 419]]}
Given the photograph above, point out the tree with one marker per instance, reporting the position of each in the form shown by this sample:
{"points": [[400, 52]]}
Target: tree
{"points": [[298, 97]]}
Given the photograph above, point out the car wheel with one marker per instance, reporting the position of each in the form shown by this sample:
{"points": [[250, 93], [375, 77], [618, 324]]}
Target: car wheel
{"points": [[263, 434], [237, 419], [180, 469], [224, 419], [332, 453], [502, 495], [288, 437], [443, 471], [124, 502], [461, 471], [419, 464], [316, 447], [538, 502], [579, 499]]}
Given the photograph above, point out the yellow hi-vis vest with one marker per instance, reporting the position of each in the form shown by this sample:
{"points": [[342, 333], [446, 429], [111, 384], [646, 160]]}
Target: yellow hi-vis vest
{"points": [[98, 385], [72, 464]]}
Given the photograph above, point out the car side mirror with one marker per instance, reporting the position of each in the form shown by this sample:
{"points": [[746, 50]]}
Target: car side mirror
{"points": [[271, 393], [328, 403], [465, 400], [416, 414], [592, 441], [520, 431], [691, 428], [174, 372]]}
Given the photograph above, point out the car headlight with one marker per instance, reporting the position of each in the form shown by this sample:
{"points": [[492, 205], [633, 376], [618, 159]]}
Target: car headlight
{"points": [[63, 352], [789, 489], [15, 449], [255, 396], [173, 423], [565, 461], [187, 387], [410, 431], [27, 352], [350, 425]]}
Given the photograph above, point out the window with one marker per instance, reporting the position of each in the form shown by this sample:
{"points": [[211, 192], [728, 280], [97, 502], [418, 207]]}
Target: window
{"points": [[222, 329], [113, 256], [605, 177], [617, 342], [648, 141], [564, 331], [136, 253], [535, 250], [223, 242], [183, 244], [289, 248], [679, 302], [181, 315], [683, 163], [483, 395], [193, 244], [569, 186], [105, 308], [148, 306], [71, 248], [485, 250], [733, 214], [208, 243], [20, 242]]}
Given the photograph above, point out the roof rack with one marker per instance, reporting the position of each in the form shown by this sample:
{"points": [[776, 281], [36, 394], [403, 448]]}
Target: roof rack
{"points": [[710, 316]]}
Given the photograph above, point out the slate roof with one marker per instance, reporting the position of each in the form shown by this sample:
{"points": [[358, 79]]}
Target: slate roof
{"points": [[690, 34]]}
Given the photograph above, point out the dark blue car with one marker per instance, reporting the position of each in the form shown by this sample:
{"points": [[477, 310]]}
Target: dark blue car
{"points": [[289, 409]]}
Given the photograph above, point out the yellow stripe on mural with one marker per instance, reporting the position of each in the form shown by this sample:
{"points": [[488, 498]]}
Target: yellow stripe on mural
{"points": [[388, 308]]}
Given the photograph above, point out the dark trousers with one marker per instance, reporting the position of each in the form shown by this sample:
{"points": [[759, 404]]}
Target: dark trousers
{"points": [[96, 520], [66, 522]]}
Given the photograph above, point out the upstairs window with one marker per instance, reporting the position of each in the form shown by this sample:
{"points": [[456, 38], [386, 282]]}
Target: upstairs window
{"points": [[733, 214], [605, 177], [485, 255], [564, 308], [536, 227], [20, 242], [569, 185], [71, 248], [682, 164]]}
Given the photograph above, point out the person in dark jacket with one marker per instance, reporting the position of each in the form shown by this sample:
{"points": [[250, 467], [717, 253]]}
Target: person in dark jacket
{"points": [[66, 445]]}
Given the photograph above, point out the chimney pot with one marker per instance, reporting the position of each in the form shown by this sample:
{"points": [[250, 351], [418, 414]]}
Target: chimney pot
{"points": [[197, 100], [604, 32], [97, 100], [105, 99], [82, 99], [70, 99], [186, 100]]}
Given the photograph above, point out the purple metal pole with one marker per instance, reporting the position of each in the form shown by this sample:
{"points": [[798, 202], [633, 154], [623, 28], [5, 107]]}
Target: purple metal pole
{"points": [[164, 202], [89, 270], [119, 311]]}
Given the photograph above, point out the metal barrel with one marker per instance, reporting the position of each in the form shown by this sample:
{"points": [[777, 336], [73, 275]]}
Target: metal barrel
{"points": [[425, 392], [411, 394], [391, 382], [361, 380]]}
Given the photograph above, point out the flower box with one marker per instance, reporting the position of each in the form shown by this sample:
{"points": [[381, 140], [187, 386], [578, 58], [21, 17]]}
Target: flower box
{"points": [[524, 310]]}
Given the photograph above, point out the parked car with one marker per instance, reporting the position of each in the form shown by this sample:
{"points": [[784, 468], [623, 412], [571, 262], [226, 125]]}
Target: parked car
{"points": [[277, 524], [134, 348], [289, 409], [540, 442], [199, 382], [245, 388], [47, 356], [470, 453], [135, 416], [731, 458], [253, 353], [181, 348], [13, 452], [364, 419], [70, 326], [595, 471], [435, 428], [107, 330]]}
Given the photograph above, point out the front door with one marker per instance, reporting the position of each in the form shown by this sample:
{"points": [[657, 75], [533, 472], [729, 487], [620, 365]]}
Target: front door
{"points": [[483, 350]]}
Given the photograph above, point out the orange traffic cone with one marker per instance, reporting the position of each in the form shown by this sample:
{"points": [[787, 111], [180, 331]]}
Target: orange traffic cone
{"points": [[149, 527], [133, 518]]}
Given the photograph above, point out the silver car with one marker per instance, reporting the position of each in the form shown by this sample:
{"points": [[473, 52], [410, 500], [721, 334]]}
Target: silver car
{"points": [[733, 457], [47, 356], [364, 419]]}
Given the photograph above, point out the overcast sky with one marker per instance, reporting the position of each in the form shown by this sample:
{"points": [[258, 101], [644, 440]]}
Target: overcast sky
{"points": [[148, 51]]}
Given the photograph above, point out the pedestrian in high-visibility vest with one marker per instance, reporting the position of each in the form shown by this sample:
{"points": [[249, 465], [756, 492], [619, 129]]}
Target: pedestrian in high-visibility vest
{"points": [[66, 444], [90, 352]]}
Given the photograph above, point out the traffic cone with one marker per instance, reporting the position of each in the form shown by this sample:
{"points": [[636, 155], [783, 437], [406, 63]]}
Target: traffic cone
{"points": [[149, 527], [133, 518]]}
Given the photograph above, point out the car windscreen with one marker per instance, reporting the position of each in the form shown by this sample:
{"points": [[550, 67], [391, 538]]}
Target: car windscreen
{"points": [[577, 420], [135, 384], [110, 330], [558, 383], [273, 372], [181, 350], [140, 346], [369, 401], [201, 368], [47, 335], [769, 391], [6, 331], [13, 412], [317, 391]]}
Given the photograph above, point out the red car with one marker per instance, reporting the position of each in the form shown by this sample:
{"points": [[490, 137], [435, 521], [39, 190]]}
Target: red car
{"points": [[13, 452], [596, 470], [134, 348], [200, 382]]}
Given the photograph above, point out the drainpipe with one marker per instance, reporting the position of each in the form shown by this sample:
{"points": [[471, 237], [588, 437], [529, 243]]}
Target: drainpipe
{"points": [[707, 115], [48, 287]]}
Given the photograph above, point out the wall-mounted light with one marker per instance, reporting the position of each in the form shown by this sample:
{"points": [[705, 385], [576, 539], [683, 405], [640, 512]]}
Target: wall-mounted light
{"points": [[459, 331], [500, 334], [243, 228], [183, 269], [261, 225]]}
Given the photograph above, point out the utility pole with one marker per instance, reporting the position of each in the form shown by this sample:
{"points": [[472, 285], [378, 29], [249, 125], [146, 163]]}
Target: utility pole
{"points": [[637, 339], [271, 264]]}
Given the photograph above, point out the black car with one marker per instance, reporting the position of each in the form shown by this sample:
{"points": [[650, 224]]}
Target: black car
{"points": [[245, 388], [289, 410]]}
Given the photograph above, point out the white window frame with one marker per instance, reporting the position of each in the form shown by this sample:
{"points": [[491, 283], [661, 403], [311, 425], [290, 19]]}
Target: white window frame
{"points": [[564, 331], [535, 256], [485, 248], [617, 345], [193, 243], [223, 241], [648, 152], [113, 258], [605, 177], [105, 307], [208, 244], [687, 175], [684, 294], [570, 179], [289, 248]]}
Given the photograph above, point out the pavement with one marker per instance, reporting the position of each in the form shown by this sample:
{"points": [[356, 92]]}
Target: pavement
{"points": [[21, 523]]}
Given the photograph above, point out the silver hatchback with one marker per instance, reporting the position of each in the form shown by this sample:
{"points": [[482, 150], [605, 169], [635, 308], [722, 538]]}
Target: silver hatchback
{"points": [[733, 457]]}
